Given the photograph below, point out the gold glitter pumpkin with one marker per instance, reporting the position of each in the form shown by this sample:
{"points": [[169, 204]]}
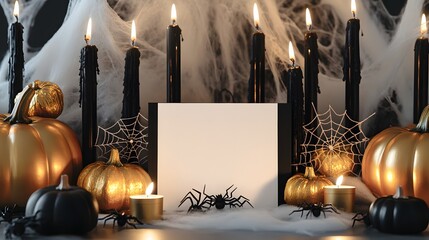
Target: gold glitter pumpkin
{"points": [[307, 188], [48, 101], [399, 157], [35, 152], [112, 183], [333, 161]]}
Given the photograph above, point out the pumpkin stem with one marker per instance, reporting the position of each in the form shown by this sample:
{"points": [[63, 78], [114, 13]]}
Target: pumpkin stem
{"points": [[20, 110], [114, 158], [309, 173], [399, 193], [423, 124], [64, 183]]}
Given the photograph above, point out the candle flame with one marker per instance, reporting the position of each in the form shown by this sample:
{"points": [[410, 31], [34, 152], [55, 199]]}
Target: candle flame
{"points": [[423, 27], [173, 13], [255, 15], [16, 9], [308, 19], [339, 181], [133, 32], [291, 52], [354, 8], [149, 189], [88, 30]]}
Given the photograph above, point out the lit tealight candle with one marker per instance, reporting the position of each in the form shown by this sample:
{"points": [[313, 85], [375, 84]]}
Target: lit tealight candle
{"points": [[340, 196], [147, 207]]}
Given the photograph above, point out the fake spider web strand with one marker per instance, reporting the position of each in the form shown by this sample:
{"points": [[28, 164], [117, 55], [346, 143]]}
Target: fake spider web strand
{"points": [[328, 134], [128, 135]]}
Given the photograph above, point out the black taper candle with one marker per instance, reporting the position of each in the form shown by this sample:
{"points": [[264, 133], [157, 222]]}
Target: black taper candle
{"points": [[420, 73], [16, 61], [131, 97], [174, 34], [256, 86], [88, 100], [351, 71], [292, 79], [311, 72], [256, 90]]}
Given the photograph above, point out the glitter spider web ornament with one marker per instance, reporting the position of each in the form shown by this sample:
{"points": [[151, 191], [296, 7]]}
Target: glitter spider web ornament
{"points": [[129, 136], [332, 148]]}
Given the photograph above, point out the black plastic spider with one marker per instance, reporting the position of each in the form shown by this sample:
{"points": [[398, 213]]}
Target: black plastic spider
{"points": [[121, 218], [361, 216], [8, 214], [18, 225], [315, 209], [220, 201], [196, 204]]}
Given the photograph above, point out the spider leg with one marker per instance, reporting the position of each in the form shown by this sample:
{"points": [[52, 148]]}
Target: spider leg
{"points": [[131, 224], [136, 219], [306, 216], [298, 210], [189, 195], [109, 215], [226, 192], [324, 214], [107, 219], [246, 200], [332, 208]]}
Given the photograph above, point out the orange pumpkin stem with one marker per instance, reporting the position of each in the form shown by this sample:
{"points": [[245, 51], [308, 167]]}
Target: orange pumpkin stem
{"points": [[20, 110], [309, 173], [64, 183], [114, 158], [423, 124]]}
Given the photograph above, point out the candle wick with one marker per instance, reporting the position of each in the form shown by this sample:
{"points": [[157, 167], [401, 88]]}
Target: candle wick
{"points": [[293, 62], [16, 17], [174, 21], [86, 39], [354, 14], [133, 43], [310, 27]]}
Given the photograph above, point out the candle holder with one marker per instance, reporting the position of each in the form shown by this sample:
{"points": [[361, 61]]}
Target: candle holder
{"points": [[147, 208], [341, 197]]}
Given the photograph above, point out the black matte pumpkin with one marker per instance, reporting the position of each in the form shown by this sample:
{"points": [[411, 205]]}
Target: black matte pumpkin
{"points": [[63, 209], [399, 214]]}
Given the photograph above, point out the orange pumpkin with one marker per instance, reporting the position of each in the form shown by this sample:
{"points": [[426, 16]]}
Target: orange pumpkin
{"points": [[113, 183], [399, 157], [35, 152], [48, 101]]}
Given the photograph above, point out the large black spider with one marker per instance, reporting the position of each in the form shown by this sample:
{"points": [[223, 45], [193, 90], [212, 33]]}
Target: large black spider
{"points": [[196, 204], [121, 218], [361, 216], [315, 209], [220, 201], [8, 214], [18, 226]]}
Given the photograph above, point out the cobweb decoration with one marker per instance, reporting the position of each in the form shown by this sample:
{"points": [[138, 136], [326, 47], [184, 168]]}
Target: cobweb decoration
{"points": [[129, 136], [328, 131]]}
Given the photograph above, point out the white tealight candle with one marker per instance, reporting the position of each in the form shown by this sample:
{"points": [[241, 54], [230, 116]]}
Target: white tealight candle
{"points": [[340, 196], [147, 207]]}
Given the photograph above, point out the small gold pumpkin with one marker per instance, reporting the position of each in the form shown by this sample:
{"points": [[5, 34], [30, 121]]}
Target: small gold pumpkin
{"points": [[112, 183], [48, 101], [307, 188], [334, 161]]}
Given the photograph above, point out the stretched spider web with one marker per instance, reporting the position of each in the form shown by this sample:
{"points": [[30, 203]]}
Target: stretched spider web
{"points": [[328, 131], [129, 136]]}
